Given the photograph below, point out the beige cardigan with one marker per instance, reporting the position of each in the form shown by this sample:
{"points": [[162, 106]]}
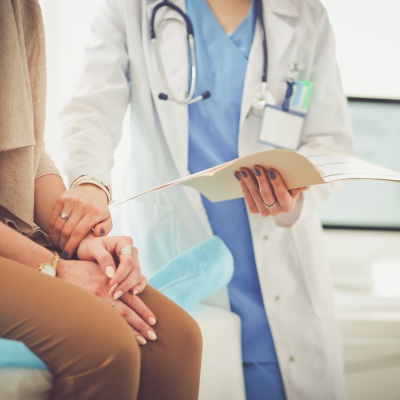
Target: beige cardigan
{"points": [[22, 111]]}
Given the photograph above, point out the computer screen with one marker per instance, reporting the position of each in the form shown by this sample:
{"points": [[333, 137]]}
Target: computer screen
{"points": [[369, 204]]}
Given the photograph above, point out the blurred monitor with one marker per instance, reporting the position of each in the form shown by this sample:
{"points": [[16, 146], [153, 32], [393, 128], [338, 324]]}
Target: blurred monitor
{"points": [[369, 204]]}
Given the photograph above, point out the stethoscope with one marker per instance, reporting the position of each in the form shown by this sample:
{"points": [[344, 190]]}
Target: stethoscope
{"points": [[260, 99]]}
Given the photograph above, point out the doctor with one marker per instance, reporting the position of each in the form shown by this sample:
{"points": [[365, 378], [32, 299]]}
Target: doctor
{"points": [[193, 108]]}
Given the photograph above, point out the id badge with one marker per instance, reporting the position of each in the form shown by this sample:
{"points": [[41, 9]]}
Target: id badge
{"points": [[281, 128]]}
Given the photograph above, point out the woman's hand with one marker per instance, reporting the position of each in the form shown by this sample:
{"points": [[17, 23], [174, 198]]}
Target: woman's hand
{"points": [[266, 193], [84, 208], [119, 260], [88, 276]]}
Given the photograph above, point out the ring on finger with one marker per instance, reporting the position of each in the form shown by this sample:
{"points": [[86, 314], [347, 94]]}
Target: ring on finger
{"points": [[127, 249], [63, 215], [269, 205]]}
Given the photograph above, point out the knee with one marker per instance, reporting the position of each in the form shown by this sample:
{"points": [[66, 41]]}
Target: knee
{"points": [[109, 344], [191, 335], [117, 344], [185, 338], [121, 352]]}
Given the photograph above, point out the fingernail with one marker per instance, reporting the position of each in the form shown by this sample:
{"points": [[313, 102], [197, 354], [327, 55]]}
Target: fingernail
{"points": [[110, 272], [135, 292], [64, 255], [236, 176], [102, 233], [118, 294], [112, 289], [141, 340], [272, 174], [257, 171], [151, 335], [152, 321], [243, 174]]}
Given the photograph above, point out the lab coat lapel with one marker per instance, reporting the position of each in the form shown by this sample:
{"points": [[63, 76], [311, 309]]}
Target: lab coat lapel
{"points": [[279, 31], [172, 45], [173, 117]]}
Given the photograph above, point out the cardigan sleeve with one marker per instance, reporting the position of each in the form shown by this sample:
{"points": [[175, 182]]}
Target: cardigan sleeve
{"points": [[46, 165]]}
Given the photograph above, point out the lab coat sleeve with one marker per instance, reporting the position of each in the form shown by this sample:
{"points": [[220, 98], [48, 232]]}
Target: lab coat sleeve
{"points": [[328, 125], [91, 121]]}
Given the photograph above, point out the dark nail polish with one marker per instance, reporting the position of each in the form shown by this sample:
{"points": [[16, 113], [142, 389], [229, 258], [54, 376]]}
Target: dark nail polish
{"points": [[102, 233], [272, 174], [257, 171], [236, 176], [65, 255], [243, 174]]}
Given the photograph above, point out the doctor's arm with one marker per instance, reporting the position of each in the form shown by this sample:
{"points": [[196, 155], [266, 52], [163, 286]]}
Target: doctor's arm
{"points": [[327, 128], [92, 127]]}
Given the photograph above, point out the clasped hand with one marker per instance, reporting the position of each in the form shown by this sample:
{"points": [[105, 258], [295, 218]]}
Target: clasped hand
{"points": [[88, 276]]}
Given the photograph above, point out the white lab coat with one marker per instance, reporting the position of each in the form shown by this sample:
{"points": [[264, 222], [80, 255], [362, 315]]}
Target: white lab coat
{"points": [[120, 68]]}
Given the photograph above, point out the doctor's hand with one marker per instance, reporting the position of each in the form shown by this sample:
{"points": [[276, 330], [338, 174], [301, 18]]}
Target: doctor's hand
{"points": [[118, 260], [265, 192], [88, 276], [76, 212]]}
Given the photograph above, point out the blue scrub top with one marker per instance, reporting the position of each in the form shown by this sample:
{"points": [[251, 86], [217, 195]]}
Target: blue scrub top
{"points": [[213, 139]]}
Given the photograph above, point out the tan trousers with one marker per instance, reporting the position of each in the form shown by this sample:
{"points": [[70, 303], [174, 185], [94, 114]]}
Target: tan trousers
{"points": [[88, 346]]}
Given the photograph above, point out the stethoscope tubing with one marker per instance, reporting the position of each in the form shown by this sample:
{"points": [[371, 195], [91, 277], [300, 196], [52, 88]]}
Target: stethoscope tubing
{"points": [[189, 97]]}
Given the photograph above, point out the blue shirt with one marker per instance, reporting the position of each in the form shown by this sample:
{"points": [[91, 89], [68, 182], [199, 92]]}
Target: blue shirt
{"points": [[213, 139]]}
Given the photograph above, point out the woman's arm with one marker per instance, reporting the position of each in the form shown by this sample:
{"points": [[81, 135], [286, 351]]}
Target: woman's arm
{"points": [[17, 247]]}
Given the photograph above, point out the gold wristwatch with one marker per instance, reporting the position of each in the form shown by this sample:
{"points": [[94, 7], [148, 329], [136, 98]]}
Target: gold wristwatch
{"points": [[50, 267]]}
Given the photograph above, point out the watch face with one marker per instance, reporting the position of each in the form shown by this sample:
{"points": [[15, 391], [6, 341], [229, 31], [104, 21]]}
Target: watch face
{"points": [[48, 270]]}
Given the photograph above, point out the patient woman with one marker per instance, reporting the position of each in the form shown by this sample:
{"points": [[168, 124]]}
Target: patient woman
{"points": [[101, 331]]}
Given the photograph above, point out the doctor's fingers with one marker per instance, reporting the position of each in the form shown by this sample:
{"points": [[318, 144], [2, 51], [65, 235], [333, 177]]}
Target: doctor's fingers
{"points": [[259, 189], [286, 198], [103, 228], [73, 232], [251, 205], [55, 218], [139, 316]]}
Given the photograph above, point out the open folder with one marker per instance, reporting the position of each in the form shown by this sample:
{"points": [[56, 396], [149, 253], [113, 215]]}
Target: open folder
{"points": [[297, 169]]}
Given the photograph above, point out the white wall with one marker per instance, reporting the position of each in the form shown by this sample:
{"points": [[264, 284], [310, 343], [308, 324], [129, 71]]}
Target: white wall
{"points": [[67, 27], [367, 37]]}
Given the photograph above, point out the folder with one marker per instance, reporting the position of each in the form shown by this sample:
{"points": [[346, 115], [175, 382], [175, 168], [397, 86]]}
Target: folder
{"points": [[298, 169]]}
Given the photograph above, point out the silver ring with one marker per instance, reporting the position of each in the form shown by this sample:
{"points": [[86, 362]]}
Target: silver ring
{"points": [[63, 215], [127, 249], [269, 205], [113, 303]]}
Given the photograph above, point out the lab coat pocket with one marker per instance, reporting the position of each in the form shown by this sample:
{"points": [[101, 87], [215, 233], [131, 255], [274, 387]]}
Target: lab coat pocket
{"points": [[153, 229], [308, 240]]}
